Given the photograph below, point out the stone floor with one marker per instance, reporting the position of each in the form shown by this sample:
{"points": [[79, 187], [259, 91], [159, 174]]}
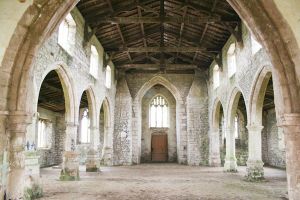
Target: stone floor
{"points": [[163, 181]]}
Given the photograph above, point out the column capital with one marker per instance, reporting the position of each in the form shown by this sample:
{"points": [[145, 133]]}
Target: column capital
{"points": [[255, 127]]}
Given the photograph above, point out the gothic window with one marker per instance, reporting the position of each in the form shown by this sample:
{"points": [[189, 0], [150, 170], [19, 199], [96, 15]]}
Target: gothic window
{"points": [[108, 77], [216, 76], [66, 33], [159, 112], [255, 45], [231, 62], [94, 62], [85, 127]]}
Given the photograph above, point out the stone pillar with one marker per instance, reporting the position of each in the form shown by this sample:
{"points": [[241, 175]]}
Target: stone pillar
{"points": [[230, 159], [20, 181], [93, 160], [3, 152], [70, 165], [255, 170], [214, 160], [291, 128], [107, 153]]}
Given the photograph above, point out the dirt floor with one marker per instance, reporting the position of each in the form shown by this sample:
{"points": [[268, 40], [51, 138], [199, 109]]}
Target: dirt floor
{"points": [[163, 181]]}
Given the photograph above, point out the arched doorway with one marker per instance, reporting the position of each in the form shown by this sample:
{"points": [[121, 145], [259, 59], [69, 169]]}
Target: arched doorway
{"points": [[158, 141]]}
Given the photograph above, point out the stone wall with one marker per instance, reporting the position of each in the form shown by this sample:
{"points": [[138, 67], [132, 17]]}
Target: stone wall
{"points": [[248, 67], [76, 66], [273, 141], [148, 131]]}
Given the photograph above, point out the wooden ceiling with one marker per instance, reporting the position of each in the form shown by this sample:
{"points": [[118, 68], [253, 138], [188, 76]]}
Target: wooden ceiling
{"points": [[269, 97], [161, 35], [51, 96]]}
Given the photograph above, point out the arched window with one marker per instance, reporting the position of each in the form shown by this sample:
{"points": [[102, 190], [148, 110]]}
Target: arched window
{"points": [[108, 77], [85, 127], [216, 76], [255, 45], [94, 62], [236, 127], [159, 112], [66, 33], [231, 62]]}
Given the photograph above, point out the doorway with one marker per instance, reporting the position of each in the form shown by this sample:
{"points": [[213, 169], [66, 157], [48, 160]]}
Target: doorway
{"points": [[159, 148]]}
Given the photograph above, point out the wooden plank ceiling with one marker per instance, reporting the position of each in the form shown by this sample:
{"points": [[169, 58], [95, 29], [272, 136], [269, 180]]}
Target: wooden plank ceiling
{"points": [[160, 34]]}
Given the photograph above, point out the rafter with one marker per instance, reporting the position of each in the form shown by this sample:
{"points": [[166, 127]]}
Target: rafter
{"points": [[119, 29]]}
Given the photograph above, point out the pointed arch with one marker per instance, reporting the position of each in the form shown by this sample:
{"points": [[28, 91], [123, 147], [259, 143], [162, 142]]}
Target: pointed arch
{"points": [[232, 106], [68, 89], [158, 80], [258, 90], [216, 113]]}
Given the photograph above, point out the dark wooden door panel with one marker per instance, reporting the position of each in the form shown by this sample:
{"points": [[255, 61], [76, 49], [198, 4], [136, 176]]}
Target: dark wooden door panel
{"points": [[159, 147]]}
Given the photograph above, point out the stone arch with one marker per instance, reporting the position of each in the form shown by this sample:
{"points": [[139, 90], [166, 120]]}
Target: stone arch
{"points": [[137, 126], [91, 105], [215, 153], [216, 113], [39, 21], [232, 106], [257, 95], [158, 80], [68, 89], [284, 55], [106, 134]]}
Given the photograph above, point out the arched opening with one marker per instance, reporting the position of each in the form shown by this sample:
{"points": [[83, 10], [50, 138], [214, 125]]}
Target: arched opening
{"points": [[273, 146], [105, 134], [84, 127], [236, 132], [288, 80], [241, 133], [158, 141], [218, 139], [49, 127]]}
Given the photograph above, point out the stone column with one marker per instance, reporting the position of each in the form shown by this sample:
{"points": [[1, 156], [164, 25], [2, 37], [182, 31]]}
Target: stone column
{"points": [[107, 153], [215, 160], [3, 152], [291, 128], [93, 160], [20, 182], [230, 159], [255, 170], [70, 165]]}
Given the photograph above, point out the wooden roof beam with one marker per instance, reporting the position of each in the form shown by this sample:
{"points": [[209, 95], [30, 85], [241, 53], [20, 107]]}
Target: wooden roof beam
{"points": [[164, 49], [119, 30], [158, 66], [159, 20]]}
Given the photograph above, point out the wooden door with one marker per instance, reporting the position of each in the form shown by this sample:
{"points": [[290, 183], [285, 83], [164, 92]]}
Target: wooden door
{"points": [[159, 148]]}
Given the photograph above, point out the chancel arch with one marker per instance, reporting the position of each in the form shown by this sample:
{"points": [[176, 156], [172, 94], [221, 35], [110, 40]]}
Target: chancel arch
{"points": [[158, 141]]}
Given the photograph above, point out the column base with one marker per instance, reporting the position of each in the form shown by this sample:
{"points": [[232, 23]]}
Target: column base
{"points": [[33, 188], [255, 170], [215, 161], [92, 161], [70, 166], [106, 157], [230, 165]]}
